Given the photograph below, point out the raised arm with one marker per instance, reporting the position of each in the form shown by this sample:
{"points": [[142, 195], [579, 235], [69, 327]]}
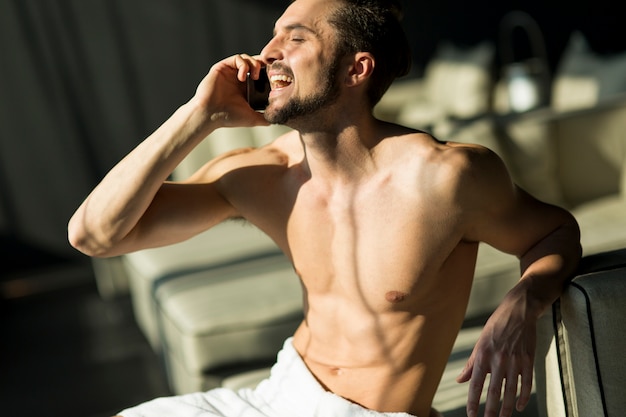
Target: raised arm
{"points": [[546, 239], [134, 207]]}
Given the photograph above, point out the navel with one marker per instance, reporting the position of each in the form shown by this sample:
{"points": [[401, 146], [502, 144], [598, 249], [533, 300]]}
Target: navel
{"points": [[334, 371], [395, 296]]}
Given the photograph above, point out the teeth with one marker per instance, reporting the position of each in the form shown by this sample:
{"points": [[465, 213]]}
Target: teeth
{"points": [[281, 78]]}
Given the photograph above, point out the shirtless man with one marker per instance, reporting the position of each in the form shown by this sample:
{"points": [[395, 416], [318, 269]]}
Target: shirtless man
{"points": [[381, 222]]}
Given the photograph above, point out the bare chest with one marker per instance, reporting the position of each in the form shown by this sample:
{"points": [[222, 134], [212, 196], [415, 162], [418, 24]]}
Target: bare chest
{"points": [[379, 239]]}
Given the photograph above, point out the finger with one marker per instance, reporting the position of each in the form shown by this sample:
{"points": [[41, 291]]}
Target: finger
{"points": [[244, 64], [494, 393], [510, 392], [475, 391], [466, 373], [526, 388], [255, 66], [261, 63]]}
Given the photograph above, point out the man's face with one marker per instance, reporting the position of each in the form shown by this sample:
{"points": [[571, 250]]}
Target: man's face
{"points": [[301, 62], [295, 106]]}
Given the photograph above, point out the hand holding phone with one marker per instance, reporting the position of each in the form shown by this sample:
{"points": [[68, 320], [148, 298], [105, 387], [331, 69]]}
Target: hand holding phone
{"points": [[258, 91]]}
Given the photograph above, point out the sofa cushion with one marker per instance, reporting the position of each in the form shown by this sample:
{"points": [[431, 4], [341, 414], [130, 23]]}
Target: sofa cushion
{"points": [[622, 181], [223, 140], [530, 141], [459, 79], [548, 385], [229, 316], [496, 273], [591, 151], [225, 244], [456, 83], [481, 132], [401, 92]]}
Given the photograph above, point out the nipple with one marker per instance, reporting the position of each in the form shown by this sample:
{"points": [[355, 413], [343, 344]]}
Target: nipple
{"points": [[395, 296]]}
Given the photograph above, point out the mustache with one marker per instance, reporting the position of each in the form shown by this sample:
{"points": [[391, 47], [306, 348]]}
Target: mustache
{"points": [[280, 67]]}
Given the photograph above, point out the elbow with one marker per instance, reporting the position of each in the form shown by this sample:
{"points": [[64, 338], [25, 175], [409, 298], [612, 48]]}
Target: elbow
{"points": [[567, 238], [81, 238], [76, 235], [562, 245], [79, 241]]}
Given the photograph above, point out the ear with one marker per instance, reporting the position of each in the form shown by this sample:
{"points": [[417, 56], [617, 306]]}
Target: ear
{"points": [[361, 69]]}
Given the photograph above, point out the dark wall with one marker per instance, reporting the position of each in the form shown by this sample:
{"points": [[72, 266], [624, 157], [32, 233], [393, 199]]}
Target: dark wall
{"points": [[469, 22], [83, 81]]}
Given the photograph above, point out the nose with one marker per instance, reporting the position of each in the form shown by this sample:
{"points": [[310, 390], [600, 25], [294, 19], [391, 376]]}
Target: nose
{"points": [[271, 52]]}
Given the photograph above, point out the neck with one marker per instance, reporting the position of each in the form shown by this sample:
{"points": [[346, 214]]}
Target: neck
{"points": [[343, 149]]}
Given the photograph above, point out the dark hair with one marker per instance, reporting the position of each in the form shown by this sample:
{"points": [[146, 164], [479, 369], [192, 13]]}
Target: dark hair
{"points": [[374, 26]]}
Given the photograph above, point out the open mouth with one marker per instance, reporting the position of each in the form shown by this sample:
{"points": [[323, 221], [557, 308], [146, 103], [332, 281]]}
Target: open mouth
{"points": [[279, 81]]}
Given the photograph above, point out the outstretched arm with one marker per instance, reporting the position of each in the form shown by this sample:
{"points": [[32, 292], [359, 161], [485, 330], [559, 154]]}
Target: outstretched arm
{"points": [[134, 207], [547, 241]]}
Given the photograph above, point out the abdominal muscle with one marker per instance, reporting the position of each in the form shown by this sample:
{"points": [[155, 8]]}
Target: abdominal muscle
{"points": [[387, 357]]}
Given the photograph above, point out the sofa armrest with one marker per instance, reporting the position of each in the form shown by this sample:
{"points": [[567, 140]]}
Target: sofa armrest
{"points": [[580, 366]]}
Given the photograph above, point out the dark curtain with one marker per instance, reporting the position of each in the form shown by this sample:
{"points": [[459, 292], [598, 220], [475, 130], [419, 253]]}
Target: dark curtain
{"points": [[83, 81]]}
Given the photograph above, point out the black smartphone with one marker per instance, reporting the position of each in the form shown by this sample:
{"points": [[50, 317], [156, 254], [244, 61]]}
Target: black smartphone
{"points": [[258, 91]]}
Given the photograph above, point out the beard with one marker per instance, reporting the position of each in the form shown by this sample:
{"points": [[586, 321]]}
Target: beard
{"points": [[297, 107]]}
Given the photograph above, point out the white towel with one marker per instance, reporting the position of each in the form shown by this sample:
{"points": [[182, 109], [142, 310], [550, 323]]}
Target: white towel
{"points": [[290, 391]]}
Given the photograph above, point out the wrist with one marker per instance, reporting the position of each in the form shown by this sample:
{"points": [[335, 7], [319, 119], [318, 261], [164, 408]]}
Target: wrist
{"points": [[205, 118], [532, 297]]}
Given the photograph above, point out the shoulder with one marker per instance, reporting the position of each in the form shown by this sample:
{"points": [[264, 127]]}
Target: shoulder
{"points": [[466, 179], [448, 163], [475, 175], [472, 164]]}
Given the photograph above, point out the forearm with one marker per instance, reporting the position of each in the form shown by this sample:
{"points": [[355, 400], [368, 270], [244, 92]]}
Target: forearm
{"points": [[110, 220], [117, 204], [547, 267]]}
